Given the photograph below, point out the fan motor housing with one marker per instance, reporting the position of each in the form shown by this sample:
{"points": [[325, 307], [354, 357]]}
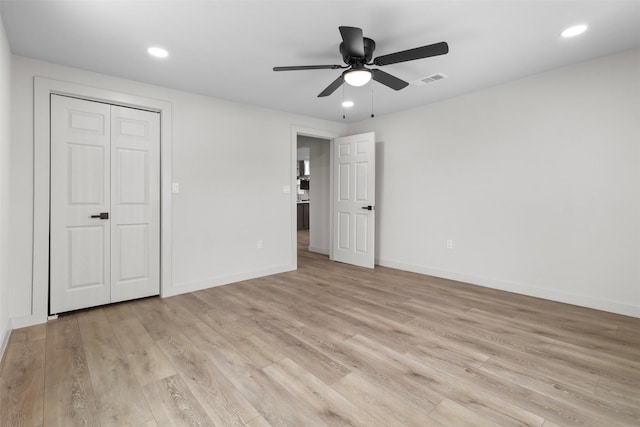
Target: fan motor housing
{"points": [[369, 47]]}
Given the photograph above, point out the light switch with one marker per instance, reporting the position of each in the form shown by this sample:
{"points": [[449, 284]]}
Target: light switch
{"points": [[286, 189], [175, 188]]}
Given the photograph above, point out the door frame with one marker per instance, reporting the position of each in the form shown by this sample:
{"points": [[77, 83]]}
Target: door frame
{"points": [[43, 88], [314, 133]]}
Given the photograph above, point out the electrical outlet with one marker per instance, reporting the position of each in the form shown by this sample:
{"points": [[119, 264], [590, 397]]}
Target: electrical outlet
{"points": [[260, 244], [175, 188], [449, 244]]}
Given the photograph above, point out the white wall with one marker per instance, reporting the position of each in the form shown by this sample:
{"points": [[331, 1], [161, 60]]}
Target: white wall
{"points": [[537, 182], [231, 161], [319, 193], [5, 140]]}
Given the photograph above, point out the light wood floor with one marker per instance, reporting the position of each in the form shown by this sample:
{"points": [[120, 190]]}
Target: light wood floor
{"points": [[328, 344]]}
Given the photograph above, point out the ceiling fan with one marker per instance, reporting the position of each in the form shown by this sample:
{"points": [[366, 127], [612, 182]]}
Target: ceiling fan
{"points": [[357, 52]]}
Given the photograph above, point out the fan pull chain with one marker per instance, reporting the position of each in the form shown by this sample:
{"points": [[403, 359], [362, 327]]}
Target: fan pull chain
{"points": [[372, 115], [344, 116]]}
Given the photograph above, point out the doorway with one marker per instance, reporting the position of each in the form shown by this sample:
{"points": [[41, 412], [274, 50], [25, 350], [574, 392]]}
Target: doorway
{"points": [[105, 203], [351, 198], [312, 193]]}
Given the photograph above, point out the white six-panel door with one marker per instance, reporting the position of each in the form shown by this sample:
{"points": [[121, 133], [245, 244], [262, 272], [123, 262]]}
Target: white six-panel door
{"points": [[354, 199], [135, 203], [104, 160]]}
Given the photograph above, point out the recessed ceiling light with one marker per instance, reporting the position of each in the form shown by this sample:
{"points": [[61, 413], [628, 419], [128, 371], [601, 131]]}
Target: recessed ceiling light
{"points": [[574, 31], [158, 52], [347, 104]]}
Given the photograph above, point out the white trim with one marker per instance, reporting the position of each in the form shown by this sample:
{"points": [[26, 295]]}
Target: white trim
{"points": [[5, 341], [43, 88], [314, 133], [25, 321], [520, 288], [322, 251], [198, 285]]}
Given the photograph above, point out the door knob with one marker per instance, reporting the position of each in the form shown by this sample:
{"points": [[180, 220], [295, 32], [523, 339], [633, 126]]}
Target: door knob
{"points": [[102, 215], [369, 208]]}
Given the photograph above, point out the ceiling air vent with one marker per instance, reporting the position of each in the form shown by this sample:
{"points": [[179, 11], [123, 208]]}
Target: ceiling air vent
{"points": [[429, 79]]}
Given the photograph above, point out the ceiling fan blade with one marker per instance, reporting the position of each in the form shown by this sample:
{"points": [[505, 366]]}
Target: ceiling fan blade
{"points": [[332, 87], [388, 80], [413, 54], [353, 41], [308, 67]]}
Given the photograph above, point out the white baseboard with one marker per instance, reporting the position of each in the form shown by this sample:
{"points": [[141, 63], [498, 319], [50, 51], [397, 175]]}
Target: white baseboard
{"points": [[24, 321], [523, 289], [6, 333], [198, 285], [318, 250]]}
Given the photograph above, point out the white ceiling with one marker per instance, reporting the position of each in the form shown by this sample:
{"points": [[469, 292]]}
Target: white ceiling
{"points": [[227, 49]]}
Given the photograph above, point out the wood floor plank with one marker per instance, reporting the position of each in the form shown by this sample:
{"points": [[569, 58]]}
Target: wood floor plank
{"points": [[145, 360], [32, 333], [121, 311], [224, 405], [69, 398], [383, 403], [173, 404], [629, 331], [158, 320], [528, 356], [272, 400], [111, 374], [622, 394], [259, 352], [451, 385], [258, 421], [370, 368], [329, 405], [318, 363], [215, 301], [450, 413], [22, 384]]}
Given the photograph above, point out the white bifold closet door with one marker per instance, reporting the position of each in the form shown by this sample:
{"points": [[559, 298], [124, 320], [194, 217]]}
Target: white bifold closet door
{"points": [[105, 204]]}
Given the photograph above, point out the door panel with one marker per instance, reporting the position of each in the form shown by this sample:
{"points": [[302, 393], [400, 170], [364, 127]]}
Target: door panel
{"points": [[344, 181], [86, 256], [135, 195], [354, 189], [86, 166], [133, 168], [343, 230], [134, 252], [362, 174], [79, 252], [362, 225]]}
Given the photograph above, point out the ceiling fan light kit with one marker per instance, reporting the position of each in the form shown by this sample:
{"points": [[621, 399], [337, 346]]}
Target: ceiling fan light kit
{"points": [[357, 53], [357, 77]]}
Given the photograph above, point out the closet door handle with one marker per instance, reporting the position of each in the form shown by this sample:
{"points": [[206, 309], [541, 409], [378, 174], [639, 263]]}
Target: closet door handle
{"points": [[101, 215]]}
